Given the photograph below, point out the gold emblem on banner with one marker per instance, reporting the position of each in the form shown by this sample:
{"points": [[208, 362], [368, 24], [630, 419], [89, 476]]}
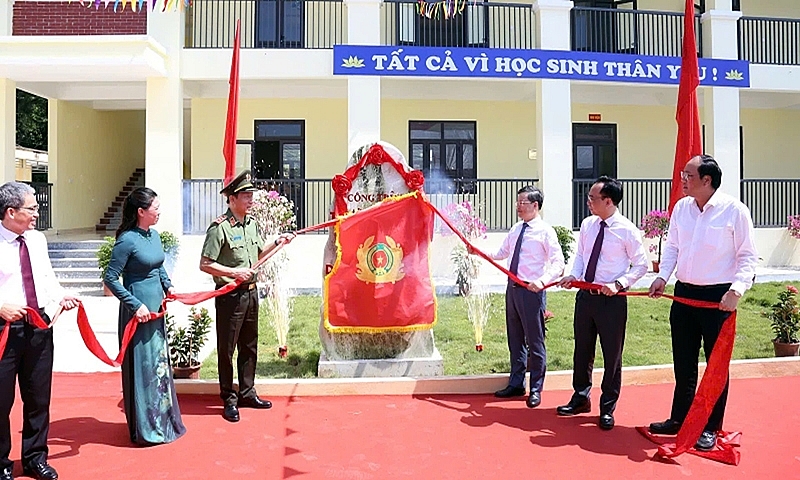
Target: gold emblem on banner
{"points": [[381, 262]]}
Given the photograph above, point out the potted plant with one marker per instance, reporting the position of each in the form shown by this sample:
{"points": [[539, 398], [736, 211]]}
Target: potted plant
{"points": [[656, 225], [170, 244], [466, 220], [103, 255], [565, 239], [186, 341], [794, 226], [785, 317]]}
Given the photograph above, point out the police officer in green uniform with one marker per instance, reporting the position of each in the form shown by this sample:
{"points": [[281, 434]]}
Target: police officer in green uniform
{"points": [[231, 249]]}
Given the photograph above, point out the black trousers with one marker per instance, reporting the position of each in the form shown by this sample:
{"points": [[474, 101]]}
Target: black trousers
{"points": [[689, 326], [237, 328], [29, 357], [607, 317]]}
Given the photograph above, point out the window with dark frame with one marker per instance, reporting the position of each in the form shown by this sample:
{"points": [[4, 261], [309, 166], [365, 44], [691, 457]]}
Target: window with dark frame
{"points": [[446, 154]]}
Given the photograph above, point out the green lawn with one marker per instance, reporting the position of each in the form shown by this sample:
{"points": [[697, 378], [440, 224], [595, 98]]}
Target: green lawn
{"points": [[647, 341]]}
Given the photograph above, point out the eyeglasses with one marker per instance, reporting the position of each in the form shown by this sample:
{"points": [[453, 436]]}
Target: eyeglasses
{"points": [[32, 209], [687, 176], [524, 203], [592, 198]]}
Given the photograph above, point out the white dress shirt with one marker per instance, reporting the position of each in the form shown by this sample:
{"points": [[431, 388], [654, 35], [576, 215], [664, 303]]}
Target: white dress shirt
{"points": [[712, 246], [622, 256], [540, 255], [48, 291]]}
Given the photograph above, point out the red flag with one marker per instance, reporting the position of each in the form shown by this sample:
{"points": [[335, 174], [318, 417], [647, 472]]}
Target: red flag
{"points": [[689, 144], [229, 148], [381, 280]]}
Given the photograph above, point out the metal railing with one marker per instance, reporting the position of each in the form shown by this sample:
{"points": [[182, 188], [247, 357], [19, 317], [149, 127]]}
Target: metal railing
{"points": [[313, 199], [771, 200], [43, 195], [308, 24], [639, 32], [639, 197], [202, 202], [494, 199], [769, 40], [478, 24]]}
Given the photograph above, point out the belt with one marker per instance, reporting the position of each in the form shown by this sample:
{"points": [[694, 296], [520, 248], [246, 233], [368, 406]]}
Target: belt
{"points": [[692, 286], [244, 286]]}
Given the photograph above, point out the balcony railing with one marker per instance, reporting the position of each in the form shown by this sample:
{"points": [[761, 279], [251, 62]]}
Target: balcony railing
{"points": [[638, 32], [478, 24], [769, 40], [313, 199], [266, 23], [771, 200], [639, 197], [43, 195]]}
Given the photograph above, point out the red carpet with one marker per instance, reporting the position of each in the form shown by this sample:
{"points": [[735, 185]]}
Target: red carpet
{"points": [[425, 437]]}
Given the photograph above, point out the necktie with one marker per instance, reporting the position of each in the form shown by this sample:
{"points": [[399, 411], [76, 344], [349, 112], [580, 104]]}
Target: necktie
{"points": [[27, 274], [591, 267], [515, 257]]}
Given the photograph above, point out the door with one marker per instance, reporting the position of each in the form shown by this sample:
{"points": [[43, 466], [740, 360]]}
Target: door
{"points": [[279, 155], [445, 153], [594, 153], [279, 24]]}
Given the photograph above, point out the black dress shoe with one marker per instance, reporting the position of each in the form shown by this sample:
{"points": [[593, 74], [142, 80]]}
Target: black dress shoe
{"points": [[7, 473], [667, 427], [509, 392], [534, 400], [706, 441], [230, 413], [574, 407], [606, 421], [41, 471], [254, 402]]}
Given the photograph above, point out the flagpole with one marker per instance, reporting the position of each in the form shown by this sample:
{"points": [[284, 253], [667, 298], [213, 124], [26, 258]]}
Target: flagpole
{"points": [[689, 143], [229, 146]]}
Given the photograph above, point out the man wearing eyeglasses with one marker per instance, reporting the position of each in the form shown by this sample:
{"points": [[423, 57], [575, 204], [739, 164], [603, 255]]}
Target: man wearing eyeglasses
{"points": [[610, 254], [711, 249], [26, 280], [536, 258]]}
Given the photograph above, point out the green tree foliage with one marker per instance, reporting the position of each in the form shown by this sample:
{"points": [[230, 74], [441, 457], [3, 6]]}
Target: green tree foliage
{"points": [[31, 121]]}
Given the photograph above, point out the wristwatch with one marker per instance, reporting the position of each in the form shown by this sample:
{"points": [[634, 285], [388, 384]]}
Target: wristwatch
{"points": [[619, 285], [277, 242]]}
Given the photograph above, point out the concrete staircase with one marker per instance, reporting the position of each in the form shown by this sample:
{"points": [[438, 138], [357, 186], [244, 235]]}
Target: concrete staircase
{"points": [[75, 266], [113, 216]]}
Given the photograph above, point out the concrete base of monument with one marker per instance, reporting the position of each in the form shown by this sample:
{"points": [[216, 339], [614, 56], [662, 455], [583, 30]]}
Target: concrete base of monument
{"points": [[390, 367]]}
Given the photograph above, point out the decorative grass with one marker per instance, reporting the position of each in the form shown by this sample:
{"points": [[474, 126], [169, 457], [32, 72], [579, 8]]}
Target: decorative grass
{"points": [[647, 339]]}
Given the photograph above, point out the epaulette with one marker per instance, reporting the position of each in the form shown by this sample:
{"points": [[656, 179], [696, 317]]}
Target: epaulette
{"points": [[220, 219]]}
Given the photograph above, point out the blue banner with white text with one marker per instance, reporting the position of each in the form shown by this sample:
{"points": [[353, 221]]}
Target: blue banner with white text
{"points": [[386, 60]]}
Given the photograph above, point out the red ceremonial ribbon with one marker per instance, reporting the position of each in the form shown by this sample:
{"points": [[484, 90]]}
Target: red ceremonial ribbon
{"points": [[711, 386]]}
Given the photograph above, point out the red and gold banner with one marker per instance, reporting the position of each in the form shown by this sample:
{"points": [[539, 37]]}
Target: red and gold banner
{"points": [[381, 280]]}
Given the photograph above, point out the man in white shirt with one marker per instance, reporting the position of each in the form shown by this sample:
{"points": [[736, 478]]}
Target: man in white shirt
{"points": [[710, 243], [26, 279], [609, 253], [536, 258]]}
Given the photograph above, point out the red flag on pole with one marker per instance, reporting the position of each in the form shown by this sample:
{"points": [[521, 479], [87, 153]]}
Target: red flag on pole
{"points": [[689, 144], [229, 148]]}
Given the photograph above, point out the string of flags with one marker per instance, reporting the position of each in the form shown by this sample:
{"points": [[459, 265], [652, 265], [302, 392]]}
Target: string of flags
{"points": [[446, 8], [136, 5]]}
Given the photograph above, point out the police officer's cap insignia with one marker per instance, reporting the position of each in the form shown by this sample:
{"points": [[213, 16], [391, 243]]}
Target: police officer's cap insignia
{"points": [[242, 183]]}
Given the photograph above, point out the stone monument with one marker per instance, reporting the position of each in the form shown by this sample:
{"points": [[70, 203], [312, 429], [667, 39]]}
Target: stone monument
{"points": [[384, 354]]}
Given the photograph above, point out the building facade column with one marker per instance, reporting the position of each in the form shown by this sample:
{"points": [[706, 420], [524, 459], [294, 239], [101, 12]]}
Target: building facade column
{"points": [[363, 92], [721, 104], [8, 129], [164, 122], [554, 116], [6, 17]]}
